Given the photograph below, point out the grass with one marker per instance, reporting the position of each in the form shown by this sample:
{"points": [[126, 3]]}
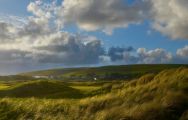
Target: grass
{"points": [[50, 89], [103, 73], [161, 96], [86, 89], [3, 86], [41, 89]]}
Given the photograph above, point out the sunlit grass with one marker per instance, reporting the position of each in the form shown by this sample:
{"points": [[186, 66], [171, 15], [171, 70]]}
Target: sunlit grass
{"points": [[86, 88], [3, 86]]}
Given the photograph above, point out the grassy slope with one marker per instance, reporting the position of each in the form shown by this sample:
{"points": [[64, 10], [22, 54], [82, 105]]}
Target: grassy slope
{"points": [[40, 89], [152, 97], [50, 89], [130, 70]]}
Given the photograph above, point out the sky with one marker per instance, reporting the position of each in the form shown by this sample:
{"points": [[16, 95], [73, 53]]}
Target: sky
{"points": [[44, 34]]}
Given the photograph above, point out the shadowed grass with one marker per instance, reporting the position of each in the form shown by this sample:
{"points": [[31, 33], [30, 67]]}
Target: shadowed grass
{"points": [[41, 89]]}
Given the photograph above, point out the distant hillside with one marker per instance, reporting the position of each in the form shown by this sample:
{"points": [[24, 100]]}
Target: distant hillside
{"points": [[15, 78], [102, 73]]}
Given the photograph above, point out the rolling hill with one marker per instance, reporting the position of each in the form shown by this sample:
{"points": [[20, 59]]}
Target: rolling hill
{"points": [[40, 89], [103, 73], [161, 96]]}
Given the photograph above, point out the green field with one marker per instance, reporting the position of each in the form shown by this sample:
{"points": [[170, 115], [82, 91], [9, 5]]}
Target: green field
{"points": [[153, 96], [49, 89], [121, 72]]}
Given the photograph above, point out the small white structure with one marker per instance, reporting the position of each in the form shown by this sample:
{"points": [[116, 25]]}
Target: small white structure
{"points": [[37, 77]]}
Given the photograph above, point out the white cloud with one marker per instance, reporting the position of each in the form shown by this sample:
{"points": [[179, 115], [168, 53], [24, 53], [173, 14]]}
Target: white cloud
{"points": [[183, 52], [13, 20], [170, 17], [91, 15], [54, 47], [154, 56], [36, 41]]}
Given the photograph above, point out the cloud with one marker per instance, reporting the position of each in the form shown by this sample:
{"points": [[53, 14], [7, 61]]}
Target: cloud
{"points": [[37, 42], [141, 56], [24, 46], [4, 31], [13, 56], [41, 11], [40, 41], [13, 20], [60, 47], [153, 56], [181, 56], [70, 49], [118, 53], [183, 52], [170, 17], [91, 15]]}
